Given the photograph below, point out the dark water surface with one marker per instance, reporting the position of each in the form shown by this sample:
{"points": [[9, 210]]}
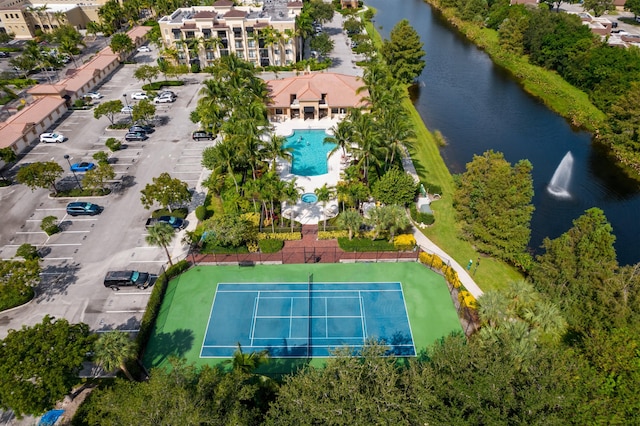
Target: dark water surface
{"points": [[477, 107]]}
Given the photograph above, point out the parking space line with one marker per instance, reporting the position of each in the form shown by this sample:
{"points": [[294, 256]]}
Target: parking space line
{"points": [[30, 232], [126, 312], [52, 208], [75, 232], [62, 245], [57, 258]]}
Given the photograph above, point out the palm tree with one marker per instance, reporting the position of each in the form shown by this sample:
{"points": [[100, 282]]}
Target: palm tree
{"points": [[290, 194], [492, 308], [342, 133], [161, 235], [270, 37], [273, 149], [351, 220], [367, 140], [396, 131], [113, 349], [397, 220], [248, 363], [324, 194]]}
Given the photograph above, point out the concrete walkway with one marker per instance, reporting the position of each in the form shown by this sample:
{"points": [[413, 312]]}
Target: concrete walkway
{"points": [[427, 245]]}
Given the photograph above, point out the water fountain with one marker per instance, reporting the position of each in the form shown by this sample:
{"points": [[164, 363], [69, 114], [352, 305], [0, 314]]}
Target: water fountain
{"points": [[559, 185]]}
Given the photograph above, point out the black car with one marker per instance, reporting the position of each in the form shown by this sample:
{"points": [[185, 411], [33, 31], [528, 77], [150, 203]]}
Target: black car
{"points": [[4, 54], [116, 279], [81, 208], [140, 128], [136, 136], [199, 135]]}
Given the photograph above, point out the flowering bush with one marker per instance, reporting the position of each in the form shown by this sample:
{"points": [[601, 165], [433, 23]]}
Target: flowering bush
{"points": [[332, 235], [467, 300], [404, 242], [252, 246], [432, 260], [285, 236], [253, 218]]}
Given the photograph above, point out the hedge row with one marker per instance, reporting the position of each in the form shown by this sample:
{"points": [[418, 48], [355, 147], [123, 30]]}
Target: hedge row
{"points": [[155, 301], [284, 236]]}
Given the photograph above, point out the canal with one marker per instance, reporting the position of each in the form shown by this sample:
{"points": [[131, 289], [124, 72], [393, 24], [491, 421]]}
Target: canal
{"points": [[477, 106]]}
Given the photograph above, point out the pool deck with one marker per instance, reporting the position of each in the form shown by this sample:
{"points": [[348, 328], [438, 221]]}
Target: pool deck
{"points": [[310, 213]]}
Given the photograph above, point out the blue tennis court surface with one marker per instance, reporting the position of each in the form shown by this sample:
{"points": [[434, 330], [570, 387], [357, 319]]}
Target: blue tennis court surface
{"points": [[297, 320]]}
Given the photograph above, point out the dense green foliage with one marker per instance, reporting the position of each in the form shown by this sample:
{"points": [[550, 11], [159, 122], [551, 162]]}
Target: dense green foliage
{"points": [[395, 187], [40, 175], [493, 203], [270, 245], [166, 191], [17, 279], [403, 52], [40, 364]]}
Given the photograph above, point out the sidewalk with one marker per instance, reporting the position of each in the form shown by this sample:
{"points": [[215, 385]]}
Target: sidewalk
{"points": [[428, 245]]}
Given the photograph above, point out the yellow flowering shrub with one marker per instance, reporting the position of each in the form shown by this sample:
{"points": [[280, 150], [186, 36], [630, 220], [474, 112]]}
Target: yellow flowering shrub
{"points": [[252, 246], [467, 300], [284, 236], [254, 218], [404, 242], [332, 235], [432, 260]]}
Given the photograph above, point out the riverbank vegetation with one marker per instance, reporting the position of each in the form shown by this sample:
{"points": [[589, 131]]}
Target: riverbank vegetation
{"points": [[559, 60]]}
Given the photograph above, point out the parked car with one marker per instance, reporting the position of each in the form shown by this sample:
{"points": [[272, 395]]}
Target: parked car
{"points": [[127, 109], [81, 208], [136, 136], [199, 135], [168, 93], [93, 95], [82, 167], [144, 49], [52, 138], [175, 222], [139, 96], [141, 128], [116, 279], [164, 99], [4, 54]]}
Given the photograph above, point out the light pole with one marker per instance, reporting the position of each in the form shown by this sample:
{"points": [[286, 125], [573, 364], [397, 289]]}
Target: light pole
{"points": [[66, 157], [127, 103]]}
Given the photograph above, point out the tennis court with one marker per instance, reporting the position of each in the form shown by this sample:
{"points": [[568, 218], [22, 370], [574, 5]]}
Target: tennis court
{"points": [[306, 319], [209, 309]]}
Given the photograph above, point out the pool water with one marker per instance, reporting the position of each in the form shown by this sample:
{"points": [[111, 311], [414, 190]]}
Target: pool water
{"points": [[309, 197], [309, 152]]}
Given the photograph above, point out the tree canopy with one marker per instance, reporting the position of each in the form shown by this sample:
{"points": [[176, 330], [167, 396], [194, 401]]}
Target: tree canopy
{"points": [[40, 175], [166, 191], [403, 52], [395, 187], [40, 364], [493, 202]]}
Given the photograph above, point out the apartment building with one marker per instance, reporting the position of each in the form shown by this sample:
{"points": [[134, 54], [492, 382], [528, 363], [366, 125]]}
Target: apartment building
{"points": [[23, 18], [263, 33]]}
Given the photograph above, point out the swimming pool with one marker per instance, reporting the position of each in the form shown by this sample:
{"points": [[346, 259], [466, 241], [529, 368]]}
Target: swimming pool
{"points": [[309, 152]]}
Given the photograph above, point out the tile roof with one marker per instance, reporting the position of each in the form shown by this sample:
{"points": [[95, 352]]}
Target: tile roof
{"points": [[235, 14], [204, 14], [223, 3], [340, 89]]}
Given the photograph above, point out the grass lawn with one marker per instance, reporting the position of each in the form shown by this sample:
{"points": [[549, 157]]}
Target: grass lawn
{"points": [[181, 324]]}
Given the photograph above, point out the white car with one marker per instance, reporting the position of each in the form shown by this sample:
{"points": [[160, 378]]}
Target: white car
{"points": [[139, 96], [128, 109], [52, 138], [144, 49], [163, 99], [93, 95]]}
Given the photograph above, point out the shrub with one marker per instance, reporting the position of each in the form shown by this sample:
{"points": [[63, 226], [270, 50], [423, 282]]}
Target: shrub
{"points": [[119, 126], [155, 301], [49, 225], [467, 300], [195, 68], [420, 217], [253, 217], [431, 260], [270, 246], [27, 251], [79, 103], [404, 242], [284, 236], [332, 235], [113, 144], [365, 244], [158, 85], [201, 213], [253, 246]]}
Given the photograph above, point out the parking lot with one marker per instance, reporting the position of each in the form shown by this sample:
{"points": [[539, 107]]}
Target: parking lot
{"points": [[76, 259]]}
